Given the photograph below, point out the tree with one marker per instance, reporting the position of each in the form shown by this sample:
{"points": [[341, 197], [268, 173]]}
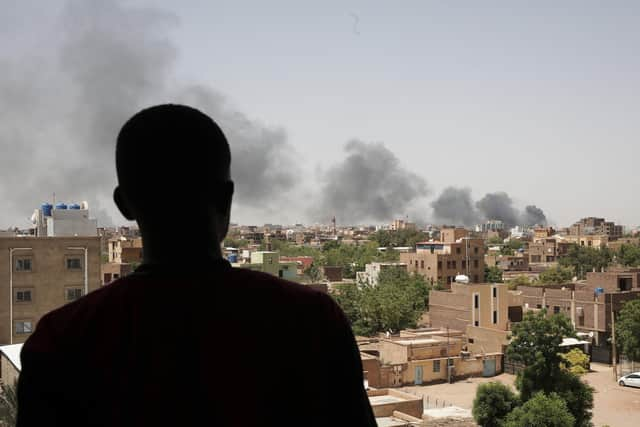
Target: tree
{"points": [[520, 280], [8, 405], [536, 344], [556, 275], [582, 259], [493, 402], [628, 330], [541, 411], [493, 274], [313, 273], [575, 361], [629, 255]]}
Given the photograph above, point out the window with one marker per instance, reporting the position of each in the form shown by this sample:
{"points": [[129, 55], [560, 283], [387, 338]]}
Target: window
{"points": [[436, 366], [23, 264], [495, 316], [453, 264], [495, 292], [471, 341], [556, 309], [538, 305], [73, 294], [458, 250], [476, 323], [23, 327], [475, 250], [74, 264], [476, 279], [464, 263], [23, 296], [448, 264], [475, 263], [439, 264], [416, 263], [476, 301], [451, 361]]}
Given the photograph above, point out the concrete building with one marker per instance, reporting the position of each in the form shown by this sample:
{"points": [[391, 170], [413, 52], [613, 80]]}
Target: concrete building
{"points": [[401, 224], [269, 262], [372, 271], [302, 262], [491, 225], [517, 262], [441, 261], [590, 305], [593, 225], [64, 221], [547, 250], [125, 250], [113, 271], [385, 402], [10, 365], [41, 274]]}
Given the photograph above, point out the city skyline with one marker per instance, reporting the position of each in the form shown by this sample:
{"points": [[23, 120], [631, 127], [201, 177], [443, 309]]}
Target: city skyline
{"points": [[538, 102]]}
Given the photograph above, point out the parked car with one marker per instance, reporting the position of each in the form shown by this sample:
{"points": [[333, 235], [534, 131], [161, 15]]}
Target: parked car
{"points": [[632, 380]]}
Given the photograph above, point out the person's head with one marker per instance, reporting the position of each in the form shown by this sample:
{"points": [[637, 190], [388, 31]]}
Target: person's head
{"points": [[173, 165]]}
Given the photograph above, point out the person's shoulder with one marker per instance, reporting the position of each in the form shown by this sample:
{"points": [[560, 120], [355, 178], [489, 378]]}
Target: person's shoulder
{"points": [[72, 318]]}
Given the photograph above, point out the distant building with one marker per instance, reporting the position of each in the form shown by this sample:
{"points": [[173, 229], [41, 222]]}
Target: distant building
{"points": [[373, 270], [401, 224], [593, 225], [41, 274], [64, 220], [333, 273], [441, 261], [125, 250], [547, 249], [302, 262], [491, 225], [269, 262], [114, 270]]}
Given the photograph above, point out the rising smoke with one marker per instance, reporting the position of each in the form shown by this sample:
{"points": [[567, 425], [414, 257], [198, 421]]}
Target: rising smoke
{"points": [[60, 115], [369, 184], [456, 206]]}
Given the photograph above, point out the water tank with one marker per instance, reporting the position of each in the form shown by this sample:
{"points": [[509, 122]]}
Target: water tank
{"points": [[599, 291], [232, 258], [74, 206], [46, 209], [61, 206], [461, 278]]}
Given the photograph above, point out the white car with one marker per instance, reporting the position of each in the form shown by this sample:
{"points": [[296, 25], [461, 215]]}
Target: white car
{"points": [[632, 380]]}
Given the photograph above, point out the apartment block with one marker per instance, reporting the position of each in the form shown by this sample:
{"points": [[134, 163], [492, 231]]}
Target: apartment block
{"points": [[41, 274], [593, 225], [547, 250], [454, 254], [125, 250]]}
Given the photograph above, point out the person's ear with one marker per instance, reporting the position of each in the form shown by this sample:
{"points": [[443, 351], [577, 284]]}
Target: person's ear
{"points": [[122, 205]]}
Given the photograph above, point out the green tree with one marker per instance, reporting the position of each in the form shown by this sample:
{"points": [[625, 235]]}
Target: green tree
{"points": [[582, 259], [492, 274], [313, 273], [493, 402], [556, 275], [575, 361], [628, 330], [230, 242], [8, 405], [520, 280], [405, 237], [536, 343], [347, 297], [629, 255], [495, 240], [541, 411]]}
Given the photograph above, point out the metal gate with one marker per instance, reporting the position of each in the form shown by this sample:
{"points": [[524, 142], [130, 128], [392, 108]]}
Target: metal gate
{"points": [[489, 367]]}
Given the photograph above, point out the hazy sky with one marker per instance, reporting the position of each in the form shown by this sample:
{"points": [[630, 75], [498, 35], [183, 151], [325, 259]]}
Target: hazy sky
{"points": [[537, 99]]}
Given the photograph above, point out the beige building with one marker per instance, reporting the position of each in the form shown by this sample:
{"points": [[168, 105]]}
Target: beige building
{"points": [[41, 274], [125, 250], [454, 254]]}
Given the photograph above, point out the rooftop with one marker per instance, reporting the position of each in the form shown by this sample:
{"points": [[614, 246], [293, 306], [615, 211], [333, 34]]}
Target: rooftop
{"points": [[12, 352]]}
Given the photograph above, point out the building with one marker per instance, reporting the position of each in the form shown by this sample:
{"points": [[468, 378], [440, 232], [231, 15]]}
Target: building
{"points": [[517, 262], [401, 224], [483, 311], [590, 305], [372, 271], [41, 274], [113, 271], [64, 221], [10, 365], [269, 262], [547, 250], [491, 225], [302, 262], [125, 250], [385, 402], [441, 261], [593, 225]]}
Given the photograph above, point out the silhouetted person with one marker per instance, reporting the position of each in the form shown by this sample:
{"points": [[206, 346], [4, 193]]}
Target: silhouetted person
{"points": [[186, 339]]}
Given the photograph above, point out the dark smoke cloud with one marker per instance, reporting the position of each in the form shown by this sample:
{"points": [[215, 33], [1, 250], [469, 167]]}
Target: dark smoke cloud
{"points": [[456, 206], [499, 206], [533, 215], [59, 116], [369, 184]]}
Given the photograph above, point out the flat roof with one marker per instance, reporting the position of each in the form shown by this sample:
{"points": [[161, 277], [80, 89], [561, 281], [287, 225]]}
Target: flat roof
{"points": [[390, 422], [410, 341], [448, 412], [384, 399]]}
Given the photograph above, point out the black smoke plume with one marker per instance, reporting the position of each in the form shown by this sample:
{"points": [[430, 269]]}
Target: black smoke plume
{"points": [[370, 184]]}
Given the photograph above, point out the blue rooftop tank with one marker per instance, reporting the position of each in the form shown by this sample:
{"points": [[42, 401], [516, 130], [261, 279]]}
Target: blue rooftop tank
{"points": [[232, 258], [46, 209], [61, 206], [599, 291], [74, 206]]}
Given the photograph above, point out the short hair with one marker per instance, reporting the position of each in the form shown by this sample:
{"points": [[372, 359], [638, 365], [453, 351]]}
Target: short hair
{"points": [[171, 151]]}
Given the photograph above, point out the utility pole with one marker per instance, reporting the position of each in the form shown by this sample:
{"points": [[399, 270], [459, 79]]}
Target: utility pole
{"points": [[448, 370], [613, 341]]}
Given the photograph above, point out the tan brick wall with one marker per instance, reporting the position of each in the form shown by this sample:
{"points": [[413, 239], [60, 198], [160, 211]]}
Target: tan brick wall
{"points": [[48, 280], [8, 371]]}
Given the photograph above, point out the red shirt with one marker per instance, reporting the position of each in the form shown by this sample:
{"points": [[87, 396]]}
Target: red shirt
{"points": [[222, 347]]}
